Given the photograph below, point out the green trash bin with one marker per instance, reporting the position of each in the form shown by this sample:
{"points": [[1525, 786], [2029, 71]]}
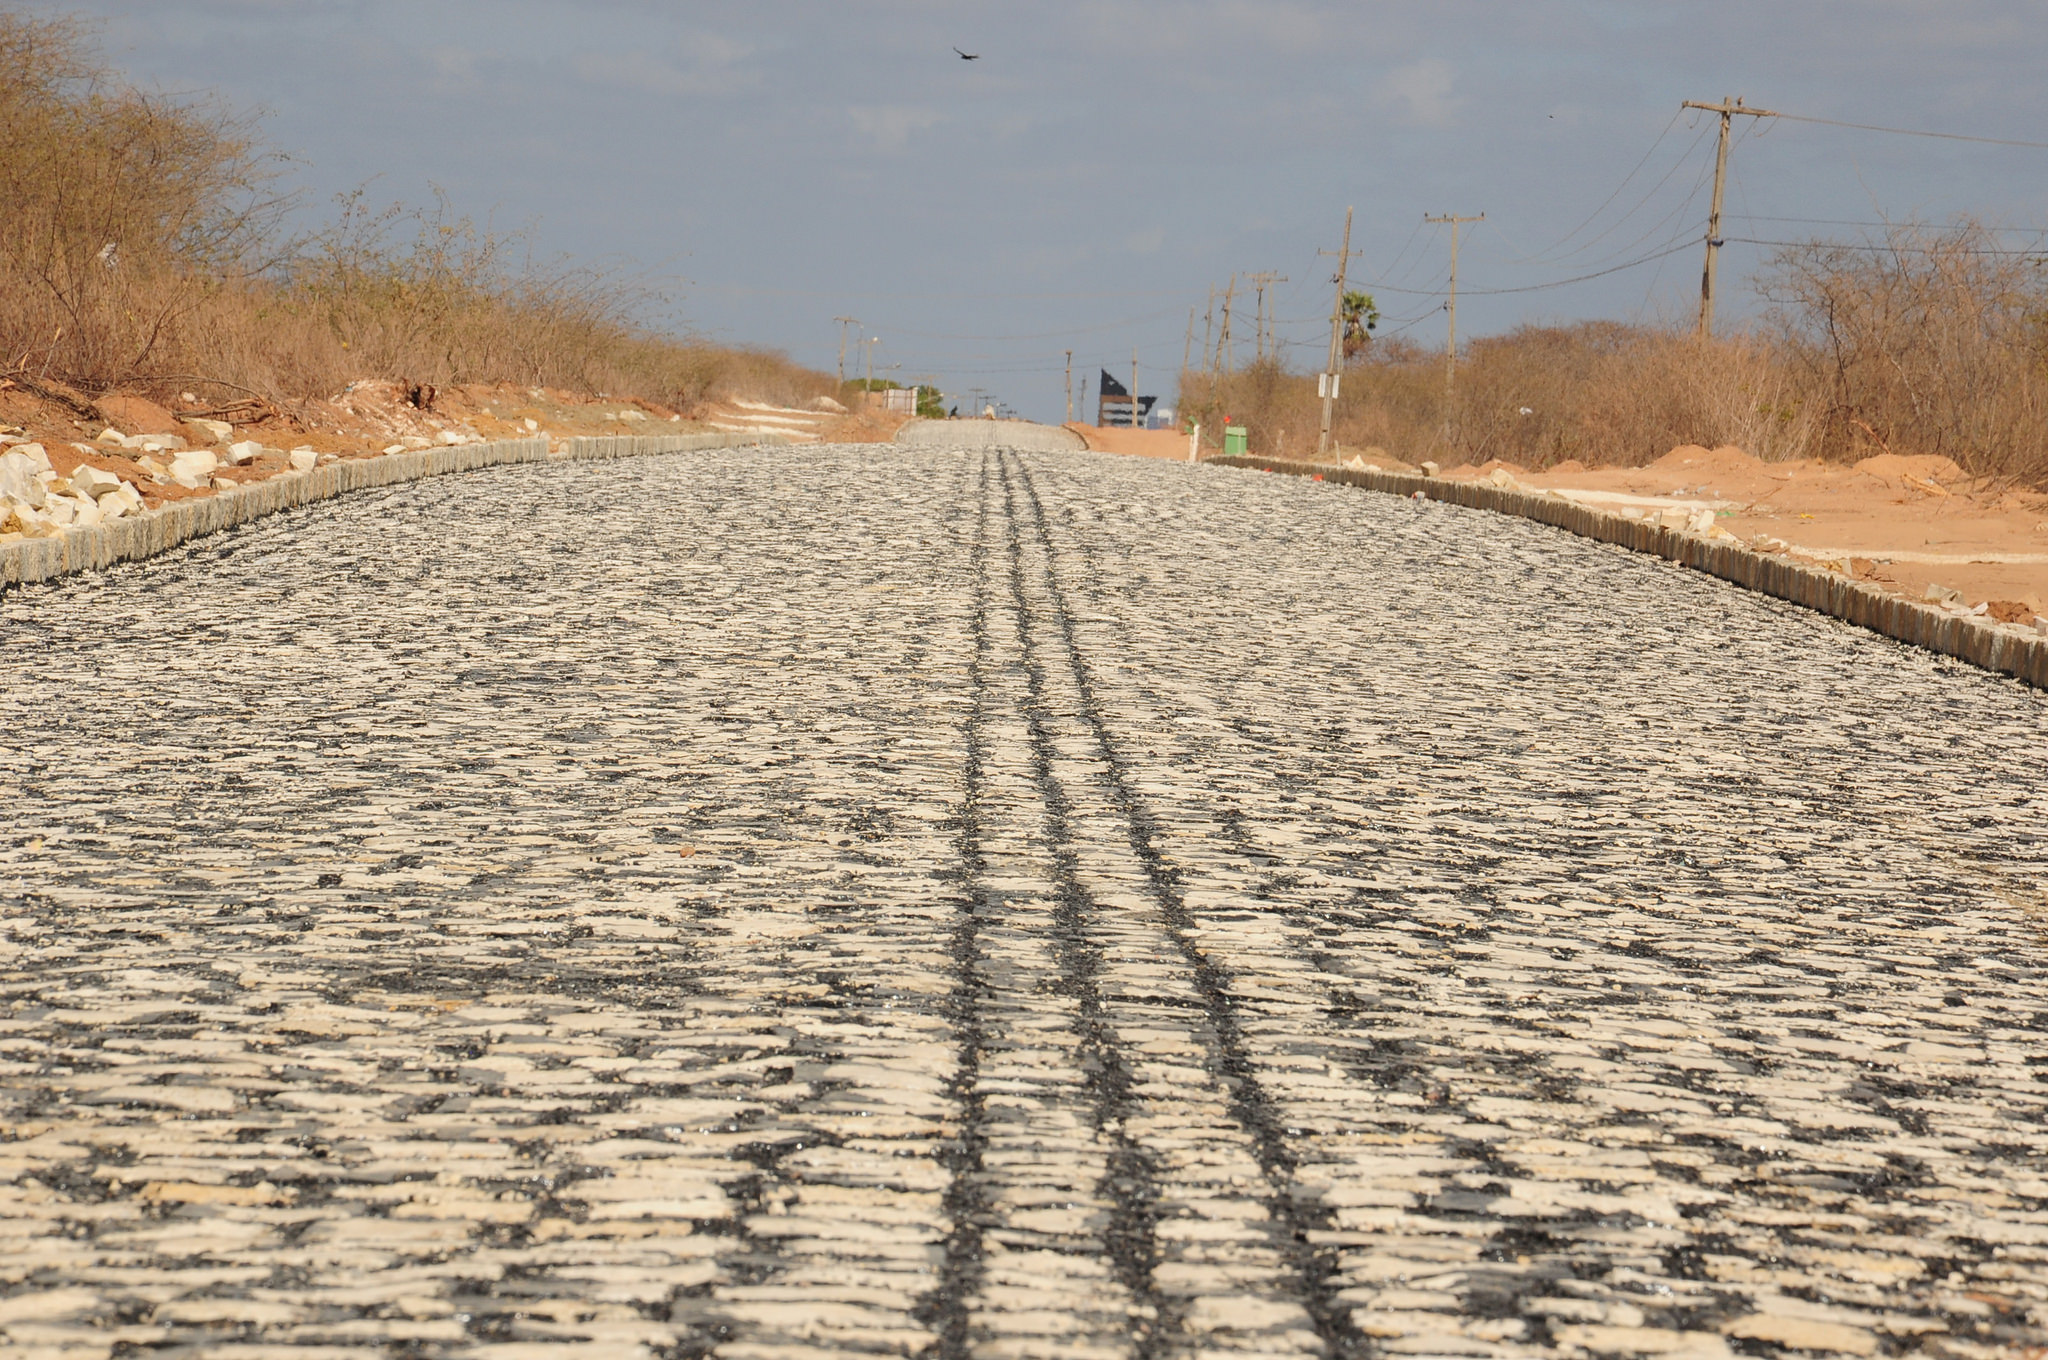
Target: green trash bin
{"points": [[1234, 440]]}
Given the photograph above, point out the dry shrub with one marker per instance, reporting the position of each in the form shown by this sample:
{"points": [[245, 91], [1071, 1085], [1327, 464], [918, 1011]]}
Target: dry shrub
{"points": [[1932, 340], [1598, 392], [139, 249], [1929, 341], [124, 211]]}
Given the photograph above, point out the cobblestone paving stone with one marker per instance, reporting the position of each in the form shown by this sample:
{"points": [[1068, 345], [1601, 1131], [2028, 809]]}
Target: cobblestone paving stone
{"points": [[858, 901]]}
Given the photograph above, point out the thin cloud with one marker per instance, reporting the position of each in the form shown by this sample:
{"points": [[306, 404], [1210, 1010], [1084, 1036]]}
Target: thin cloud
{"points": [[1421, 93], [889, 127], [710, 67]]}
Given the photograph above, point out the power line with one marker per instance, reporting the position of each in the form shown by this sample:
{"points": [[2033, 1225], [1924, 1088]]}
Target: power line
{"points": [[1912, 132], [1686, 244], [954, 297], [1855, 222], [1041, 335], [1625, 180], [1638, 205], [1890, 249]]}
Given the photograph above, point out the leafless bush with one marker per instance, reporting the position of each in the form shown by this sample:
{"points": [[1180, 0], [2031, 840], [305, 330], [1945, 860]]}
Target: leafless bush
{"points": [[140, 245], [124, 211], [1931, 340], [1597, 392]]}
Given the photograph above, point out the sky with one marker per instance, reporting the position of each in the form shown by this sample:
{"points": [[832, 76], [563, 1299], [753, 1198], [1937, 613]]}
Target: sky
{"points": [[770, 165]]}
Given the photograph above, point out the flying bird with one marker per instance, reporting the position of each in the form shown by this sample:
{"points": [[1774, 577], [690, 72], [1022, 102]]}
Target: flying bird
{"points": [[968, 56]]}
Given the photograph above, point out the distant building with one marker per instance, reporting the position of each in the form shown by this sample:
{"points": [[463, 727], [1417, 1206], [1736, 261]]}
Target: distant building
{"points": [[900, 401], [1115, 407]]}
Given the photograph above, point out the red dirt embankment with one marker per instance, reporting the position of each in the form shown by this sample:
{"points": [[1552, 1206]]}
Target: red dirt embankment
{"points": [[65, 431], [1137, 443], [1911, 523]]}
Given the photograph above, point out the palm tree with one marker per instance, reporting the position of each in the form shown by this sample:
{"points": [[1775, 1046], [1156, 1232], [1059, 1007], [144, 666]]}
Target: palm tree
{"points": [[1361, 318]]}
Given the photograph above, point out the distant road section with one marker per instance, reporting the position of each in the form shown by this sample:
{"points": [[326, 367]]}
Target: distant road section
{"points": [[1022, 435]]}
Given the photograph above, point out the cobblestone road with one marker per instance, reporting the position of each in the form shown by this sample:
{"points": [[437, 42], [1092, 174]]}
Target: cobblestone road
{"points": [[856, 901]]}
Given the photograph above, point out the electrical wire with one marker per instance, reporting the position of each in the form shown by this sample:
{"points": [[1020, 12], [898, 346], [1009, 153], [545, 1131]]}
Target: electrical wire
{"points": [[1625, 179], [1911, 132], [1688, 243], [1040, 335], [1888, 248], [1637, 207]]}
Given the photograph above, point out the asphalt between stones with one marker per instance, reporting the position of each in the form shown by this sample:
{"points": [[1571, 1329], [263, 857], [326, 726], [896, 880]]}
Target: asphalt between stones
{"points": [[855, 901]]}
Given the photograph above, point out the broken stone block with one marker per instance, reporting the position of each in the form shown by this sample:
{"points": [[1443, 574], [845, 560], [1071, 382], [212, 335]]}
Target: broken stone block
{"points": [[303, 460], [243, 452], [90, 482], [123, 500], [22, 478], [193, 467], [218, 431]]}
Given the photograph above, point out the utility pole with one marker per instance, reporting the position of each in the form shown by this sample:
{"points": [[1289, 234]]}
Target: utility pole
{"points": [[1261, 281], [1070, 387], [1134, 389], [1451, 353], [1327, 381], [1727, 108], [844, 322], [1208, 331], [1223, 336], [1188, 348], [872, 341]]}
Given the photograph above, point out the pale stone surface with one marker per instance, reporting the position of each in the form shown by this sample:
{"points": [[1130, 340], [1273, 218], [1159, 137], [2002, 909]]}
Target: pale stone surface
{"points": [[193, 467], [862, 901], [92, 482], [23, 478]]}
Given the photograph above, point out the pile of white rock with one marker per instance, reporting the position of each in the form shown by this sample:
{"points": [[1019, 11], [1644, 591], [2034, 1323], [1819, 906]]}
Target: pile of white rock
{"points": [[36, 503]]}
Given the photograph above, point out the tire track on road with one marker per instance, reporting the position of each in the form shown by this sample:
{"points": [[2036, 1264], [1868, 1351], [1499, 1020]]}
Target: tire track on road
{"points": [[1293, 1211]]}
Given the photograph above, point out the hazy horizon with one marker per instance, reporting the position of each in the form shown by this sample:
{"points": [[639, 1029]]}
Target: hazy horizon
{"points": [[1086, 181]]}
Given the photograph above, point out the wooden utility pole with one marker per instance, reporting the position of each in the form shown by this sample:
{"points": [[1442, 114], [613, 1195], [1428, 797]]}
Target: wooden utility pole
{"points": [[1451, 352], [1328, 380], [1070, 387], [1223, 336], [1208, 330], [844, 322], [1261, 281], [1134, 389], [1188, 348], [1727, 108]]}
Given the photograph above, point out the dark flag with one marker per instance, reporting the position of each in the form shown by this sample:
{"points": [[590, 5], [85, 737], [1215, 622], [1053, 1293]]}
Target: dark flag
{"points": [[1111, 387]]}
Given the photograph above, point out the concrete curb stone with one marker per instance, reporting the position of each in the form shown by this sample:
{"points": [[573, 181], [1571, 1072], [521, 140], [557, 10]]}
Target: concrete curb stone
{"points": [[1967, 639], [134, 537]]}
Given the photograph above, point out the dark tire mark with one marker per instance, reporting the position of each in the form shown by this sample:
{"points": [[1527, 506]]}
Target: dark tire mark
{"points": [[1296, 1210]]}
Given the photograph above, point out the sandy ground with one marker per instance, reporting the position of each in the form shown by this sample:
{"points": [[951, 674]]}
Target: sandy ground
{"points": [[1139, 443], [1909, 523]]}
